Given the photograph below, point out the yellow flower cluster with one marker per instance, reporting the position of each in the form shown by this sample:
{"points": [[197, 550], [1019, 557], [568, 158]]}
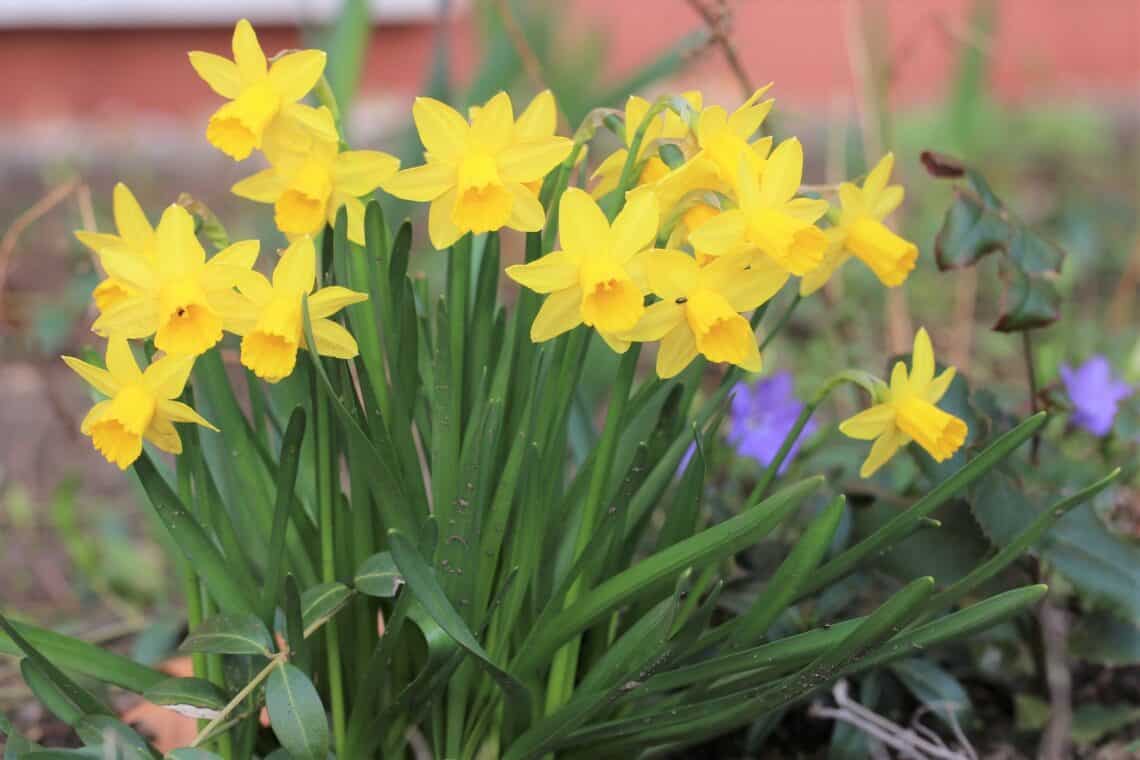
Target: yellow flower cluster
{"points": [[712, 224], [160, 283]]}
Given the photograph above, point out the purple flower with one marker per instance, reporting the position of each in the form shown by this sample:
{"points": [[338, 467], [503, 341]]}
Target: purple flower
{"points": [[1095, 394], [761, 417]]}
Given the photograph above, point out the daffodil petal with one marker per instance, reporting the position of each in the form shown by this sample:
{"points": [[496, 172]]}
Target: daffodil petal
{"points": [[868, 424], [922, 360], [239, 255], [582, 227], [131, 318], [635, 227], [657, 320], [938, 387], [744, 281], [559, 313], [441, 229], [617, 344], [531, 159], [254, 286], [554, 271], [121, 361], [176, 411], [248, 55], [294, 74], [746, 120], [493, 125], [166, 377], [878, 177], [97, 377], [127, 267], [421, 183], [721, 235], [540, 118], [296, 270], [221, 74], [359, 172], [354, 211], [888, 200], [94, 414], [129, 217], [882, 450], [806, 209], [783, 172], [527, 213], [671, 274], [264, 187], [100, 241], [442, 130], [677, 350], [328, 301], [333, 340], [162, 433], [179, 249]]}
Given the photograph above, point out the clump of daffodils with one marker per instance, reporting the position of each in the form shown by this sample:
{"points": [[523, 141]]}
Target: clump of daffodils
{"points": [[697, 221]]}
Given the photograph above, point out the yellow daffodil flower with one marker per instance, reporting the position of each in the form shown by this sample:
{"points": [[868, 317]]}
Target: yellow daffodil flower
{"points": [[476, 173], [596, 278], [770, 219], [907, 412], [860, 231], [308, 189], [700, 310], [135, 238], [178, 296], [667, 126], [140, 404], [262, 97], [271, 321], [722, 139]]}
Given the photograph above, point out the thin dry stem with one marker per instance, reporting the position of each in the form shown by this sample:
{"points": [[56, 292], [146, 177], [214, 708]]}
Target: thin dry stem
{"points": [[38, 210], [719, 22]]}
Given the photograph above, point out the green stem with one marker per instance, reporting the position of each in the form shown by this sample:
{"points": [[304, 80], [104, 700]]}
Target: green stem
{"points": [[1031, 377], [326, 499], [565, 665]]}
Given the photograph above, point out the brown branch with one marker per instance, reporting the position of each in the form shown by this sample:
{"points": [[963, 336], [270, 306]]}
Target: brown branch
{"points": [[1056, 740], [517, 36], [719, 23], [38, 210]]}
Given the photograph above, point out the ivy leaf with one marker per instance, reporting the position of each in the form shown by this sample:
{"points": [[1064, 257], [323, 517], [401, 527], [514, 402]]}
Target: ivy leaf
{"points": [[978, 224]]}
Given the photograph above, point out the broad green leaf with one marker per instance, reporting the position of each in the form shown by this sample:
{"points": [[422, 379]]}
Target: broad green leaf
{"points": [[320, 603], [230, 634], [296, 714], [378, 576], [195, 697]]}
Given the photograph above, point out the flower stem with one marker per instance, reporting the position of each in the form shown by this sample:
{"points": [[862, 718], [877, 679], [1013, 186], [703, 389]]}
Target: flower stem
{"points": [[326, 497], [565, 665], [1031, 376]]}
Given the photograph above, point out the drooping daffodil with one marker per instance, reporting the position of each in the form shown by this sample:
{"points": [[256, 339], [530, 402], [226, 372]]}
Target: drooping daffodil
{"points": [[860, 232], [907, 411], [140, 404]]}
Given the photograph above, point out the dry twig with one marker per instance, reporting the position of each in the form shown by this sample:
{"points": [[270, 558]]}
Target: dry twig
{"points": [[719, 22]]}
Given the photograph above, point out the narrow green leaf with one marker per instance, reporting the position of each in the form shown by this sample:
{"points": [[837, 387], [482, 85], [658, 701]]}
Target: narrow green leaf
{"points": [[904, 523], [285, 499], [378, 576], [116, 738], [188, 535], [710, 545], [191, 753], [230, 634], [78, 656], [296, 714], [82, 700], [57, 701], [422, 582]]}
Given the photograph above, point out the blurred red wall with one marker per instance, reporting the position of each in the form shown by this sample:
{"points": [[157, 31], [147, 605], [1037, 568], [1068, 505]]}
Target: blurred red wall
{"points": [[1042, 49]]}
